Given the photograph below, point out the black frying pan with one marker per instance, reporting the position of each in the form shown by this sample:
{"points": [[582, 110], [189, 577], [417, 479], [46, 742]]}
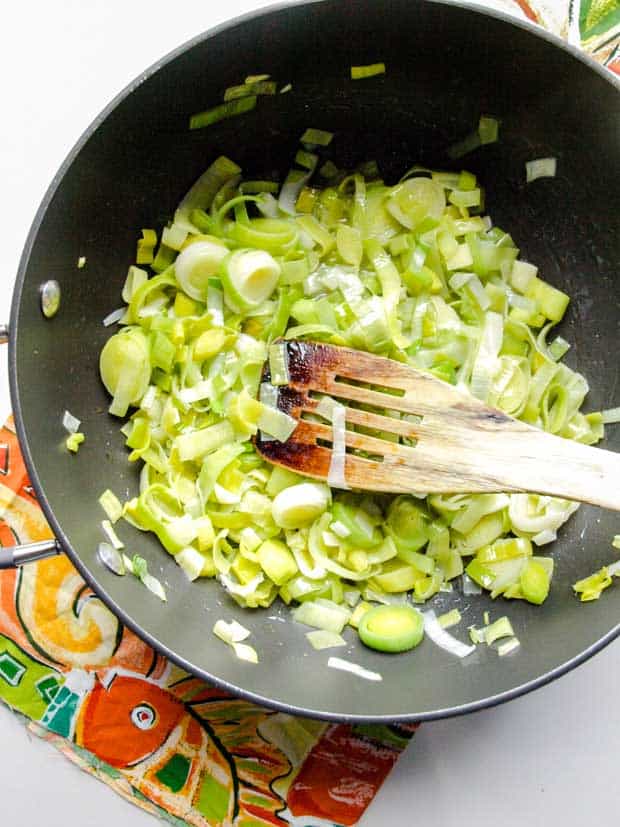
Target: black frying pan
{"points": [[445, 66]]}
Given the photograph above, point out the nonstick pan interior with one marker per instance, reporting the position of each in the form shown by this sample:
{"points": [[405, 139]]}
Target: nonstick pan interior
{"points": [[446, 65]]}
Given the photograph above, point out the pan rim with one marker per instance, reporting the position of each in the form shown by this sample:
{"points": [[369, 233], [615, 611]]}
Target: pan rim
{"points": [[85, 572]]}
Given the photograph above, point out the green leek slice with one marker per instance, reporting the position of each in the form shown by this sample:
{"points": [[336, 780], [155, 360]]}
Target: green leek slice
{"points": [[391, 628]]}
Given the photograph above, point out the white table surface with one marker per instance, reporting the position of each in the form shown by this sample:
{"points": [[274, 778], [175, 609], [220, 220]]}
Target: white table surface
{"points": [[550, 757]]}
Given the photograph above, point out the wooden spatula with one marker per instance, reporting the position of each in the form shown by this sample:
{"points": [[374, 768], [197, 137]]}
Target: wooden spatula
{"points": [[461, 445]]}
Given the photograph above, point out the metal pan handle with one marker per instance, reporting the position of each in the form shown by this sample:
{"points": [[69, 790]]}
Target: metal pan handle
{"points": [[14, 556]]}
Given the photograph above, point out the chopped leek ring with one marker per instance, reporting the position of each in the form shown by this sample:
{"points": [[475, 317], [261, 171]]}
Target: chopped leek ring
{"points": [[198, 263], [391, 628], [299, 505], [249, 277], [125, 368]]}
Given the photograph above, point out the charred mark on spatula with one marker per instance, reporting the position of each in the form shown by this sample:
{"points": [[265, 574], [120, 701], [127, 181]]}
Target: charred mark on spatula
{"points": [[291, 401], [304, 457], [309, 362]]}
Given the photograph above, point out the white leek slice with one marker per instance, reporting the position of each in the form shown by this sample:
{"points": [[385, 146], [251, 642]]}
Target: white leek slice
{"points": [[114, 316], [196, 264], [339, 529], [532, 513], [241, 590], [232, 632], [191, 561], [215, 305], [321, 639], [444, 639], [174, 236], [249, 277], [245, 652], [106, 525], [195, 444], [611, 416], [70, 423], [154, 586], [293, 184], [250, 539], [540, 168], [278, 364], [323, 614], [354, 668], [336, 475], [135, 278], [507, 646], [486, 362], [276, 423], [299, 505], [522, 274]]}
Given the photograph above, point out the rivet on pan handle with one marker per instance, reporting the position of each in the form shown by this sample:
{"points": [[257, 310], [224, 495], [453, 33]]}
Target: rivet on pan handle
{"points": [[14, 556]]}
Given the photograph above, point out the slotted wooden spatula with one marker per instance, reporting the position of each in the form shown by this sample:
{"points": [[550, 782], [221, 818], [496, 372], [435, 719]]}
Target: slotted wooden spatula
{"points": [[461, 445]]}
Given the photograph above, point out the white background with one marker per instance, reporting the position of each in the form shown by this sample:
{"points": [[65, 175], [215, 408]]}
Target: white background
{"points": [[548, 758]]}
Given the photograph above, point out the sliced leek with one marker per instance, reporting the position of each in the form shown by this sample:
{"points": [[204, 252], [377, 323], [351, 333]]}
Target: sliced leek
{"points": [[405, 270]]}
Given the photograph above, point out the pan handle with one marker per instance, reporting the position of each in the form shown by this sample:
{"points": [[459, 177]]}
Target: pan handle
{"points": [[13, 556]]}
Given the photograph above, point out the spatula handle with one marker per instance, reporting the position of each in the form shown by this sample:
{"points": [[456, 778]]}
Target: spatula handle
{"points": [[543, 463]]}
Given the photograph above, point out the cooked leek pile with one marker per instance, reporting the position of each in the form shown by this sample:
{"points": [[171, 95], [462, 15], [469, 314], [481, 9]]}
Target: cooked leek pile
{"points": [[414, 271]]}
